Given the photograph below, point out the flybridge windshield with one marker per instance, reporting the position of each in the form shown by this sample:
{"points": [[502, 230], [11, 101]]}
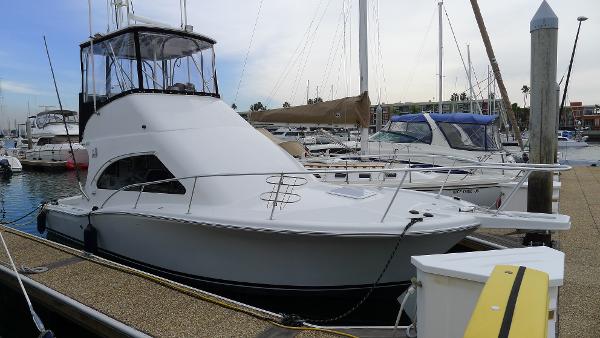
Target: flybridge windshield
{"points": [[145, 59], [43, 120]]}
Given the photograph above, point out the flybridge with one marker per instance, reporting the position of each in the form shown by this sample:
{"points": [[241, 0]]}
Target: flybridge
{"points": [[145, 59]]}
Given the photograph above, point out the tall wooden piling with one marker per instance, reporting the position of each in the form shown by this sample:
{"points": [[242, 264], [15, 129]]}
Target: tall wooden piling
{"points": [[543, 116]]}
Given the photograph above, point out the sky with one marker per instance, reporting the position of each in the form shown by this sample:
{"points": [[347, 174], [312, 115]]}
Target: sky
{"points": [[301, 45]]}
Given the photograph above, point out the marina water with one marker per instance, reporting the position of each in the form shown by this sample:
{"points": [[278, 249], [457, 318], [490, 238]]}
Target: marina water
{"points": [[24, 191]]}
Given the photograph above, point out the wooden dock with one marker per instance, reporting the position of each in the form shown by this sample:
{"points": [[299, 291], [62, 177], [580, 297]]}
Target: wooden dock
{"points": [[579, 305], [112, 300]]}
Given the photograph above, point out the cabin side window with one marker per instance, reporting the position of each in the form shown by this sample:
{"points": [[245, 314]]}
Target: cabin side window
{"points": [[139, 169]]}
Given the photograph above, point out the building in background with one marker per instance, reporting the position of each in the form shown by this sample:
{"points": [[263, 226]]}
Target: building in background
{"points": [[589, 115]]}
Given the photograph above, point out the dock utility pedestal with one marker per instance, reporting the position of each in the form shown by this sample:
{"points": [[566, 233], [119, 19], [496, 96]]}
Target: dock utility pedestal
{"points": [[452, 283]]}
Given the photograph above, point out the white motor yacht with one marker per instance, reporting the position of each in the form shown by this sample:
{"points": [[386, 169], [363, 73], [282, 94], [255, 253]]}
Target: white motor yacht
{"points": [[240, 216], [464, 135], [51, 139]]}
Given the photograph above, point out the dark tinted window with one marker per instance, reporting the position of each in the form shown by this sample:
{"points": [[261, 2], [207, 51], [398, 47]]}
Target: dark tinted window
{"points": [[139, 169], [403, 132]]}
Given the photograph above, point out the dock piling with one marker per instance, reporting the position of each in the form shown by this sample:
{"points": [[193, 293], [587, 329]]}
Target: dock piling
{"points": [[543, 116]]}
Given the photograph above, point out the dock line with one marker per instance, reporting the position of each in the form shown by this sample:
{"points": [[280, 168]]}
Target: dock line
{"points": [[36, 319]]}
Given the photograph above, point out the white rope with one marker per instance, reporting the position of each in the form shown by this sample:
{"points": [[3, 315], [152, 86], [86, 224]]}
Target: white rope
{"points": [[37, 321]]}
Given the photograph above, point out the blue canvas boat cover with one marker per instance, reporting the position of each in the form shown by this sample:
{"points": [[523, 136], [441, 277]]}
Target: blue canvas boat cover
{"points": [[447, 117]]}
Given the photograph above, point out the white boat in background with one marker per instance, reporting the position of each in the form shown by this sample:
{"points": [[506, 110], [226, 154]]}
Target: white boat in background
{"points": [[470, 136], [567, 139], [51, 139], [10, 164]]}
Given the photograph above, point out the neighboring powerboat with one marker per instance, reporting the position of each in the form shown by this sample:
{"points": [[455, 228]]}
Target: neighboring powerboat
{"points": [[11, 163], [240, 216], [51, 139], [464, 135]]}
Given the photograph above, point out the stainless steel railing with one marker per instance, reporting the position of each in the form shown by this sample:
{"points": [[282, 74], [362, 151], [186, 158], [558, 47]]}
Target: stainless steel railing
{"points": [[283, 182]]}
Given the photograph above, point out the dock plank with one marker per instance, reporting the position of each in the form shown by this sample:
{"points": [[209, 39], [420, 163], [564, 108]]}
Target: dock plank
{"points": [[579, 305]]}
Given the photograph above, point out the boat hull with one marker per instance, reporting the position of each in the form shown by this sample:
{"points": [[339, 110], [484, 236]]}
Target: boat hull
{"points": [[305, 274]]}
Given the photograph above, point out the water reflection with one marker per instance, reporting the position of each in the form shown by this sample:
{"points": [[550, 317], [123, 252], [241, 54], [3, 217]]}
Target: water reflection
{"points": [[22, 192]]}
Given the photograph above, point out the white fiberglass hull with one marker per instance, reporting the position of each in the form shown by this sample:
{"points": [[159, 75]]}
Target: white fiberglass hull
{"points": [[264, 259], [58, 152], [278, 271]]}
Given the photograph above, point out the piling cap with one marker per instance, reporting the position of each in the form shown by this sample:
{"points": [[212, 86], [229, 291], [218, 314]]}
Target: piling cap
{"points": [[544, 18]]}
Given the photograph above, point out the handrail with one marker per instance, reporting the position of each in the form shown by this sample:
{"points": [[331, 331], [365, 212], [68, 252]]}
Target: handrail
{"points": [[505, 166]]}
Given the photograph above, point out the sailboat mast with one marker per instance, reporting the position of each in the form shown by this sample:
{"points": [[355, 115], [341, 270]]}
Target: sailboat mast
{"points": [[440, 56], [471, 94], [492, 57], [363, 61]]}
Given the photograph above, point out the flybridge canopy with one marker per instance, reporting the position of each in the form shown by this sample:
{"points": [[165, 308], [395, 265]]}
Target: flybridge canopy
{"points": [[145, 59], [57, 111], [167, 44], [448, 117]]}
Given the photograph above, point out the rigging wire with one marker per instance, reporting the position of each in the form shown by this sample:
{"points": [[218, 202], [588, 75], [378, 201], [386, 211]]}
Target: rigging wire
{"points": [[77, 173], [312, 41], [462, 58], [333, 51], [295, 57], [381, 62], [418, 58], [248, 50]]}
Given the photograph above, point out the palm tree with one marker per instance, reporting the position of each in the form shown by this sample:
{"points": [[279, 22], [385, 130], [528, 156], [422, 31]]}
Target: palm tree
{"points": [[286, 104], [525, 91], [257, 106]]}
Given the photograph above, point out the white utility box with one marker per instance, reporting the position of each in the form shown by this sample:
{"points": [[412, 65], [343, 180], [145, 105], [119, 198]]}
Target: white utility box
{"points": [[451, 284]]}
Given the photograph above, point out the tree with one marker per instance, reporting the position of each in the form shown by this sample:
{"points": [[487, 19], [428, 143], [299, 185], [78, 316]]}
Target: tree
{"points": [[286, 104], [525, 91], [234, 106], [521, 115], [315, 100], [463, 96], [257, 106]]}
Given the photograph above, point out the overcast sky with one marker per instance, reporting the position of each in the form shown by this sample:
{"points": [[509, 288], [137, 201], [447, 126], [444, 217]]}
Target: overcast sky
{"points": [[284, 57]]}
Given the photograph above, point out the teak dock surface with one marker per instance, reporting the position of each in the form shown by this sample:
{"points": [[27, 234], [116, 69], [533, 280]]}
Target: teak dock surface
{"points": [[146, 305]]}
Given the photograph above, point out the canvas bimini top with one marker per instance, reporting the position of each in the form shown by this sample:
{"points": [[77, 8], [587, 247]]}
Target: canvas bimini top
{"points": [[448, 118]]}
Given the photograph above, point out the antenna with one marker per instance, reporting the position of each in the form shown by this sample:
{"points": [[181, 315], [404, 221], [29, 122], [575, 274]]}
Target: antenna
{"points": [[64, 118]]}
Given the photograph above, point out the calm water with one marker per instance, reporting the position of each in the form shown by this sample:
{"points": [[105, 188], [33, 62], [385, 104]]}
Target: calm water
{"points": [[24, 191]]}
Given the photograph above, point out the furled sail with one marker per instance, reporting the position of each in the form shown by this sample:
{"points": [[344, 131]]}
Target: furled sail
{"points": [[348, 111]]}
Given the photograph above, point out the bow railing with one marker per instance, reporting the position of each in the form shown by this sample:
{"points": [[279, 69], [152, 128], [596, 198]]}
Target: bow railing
{"points": [[281, 181]]}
